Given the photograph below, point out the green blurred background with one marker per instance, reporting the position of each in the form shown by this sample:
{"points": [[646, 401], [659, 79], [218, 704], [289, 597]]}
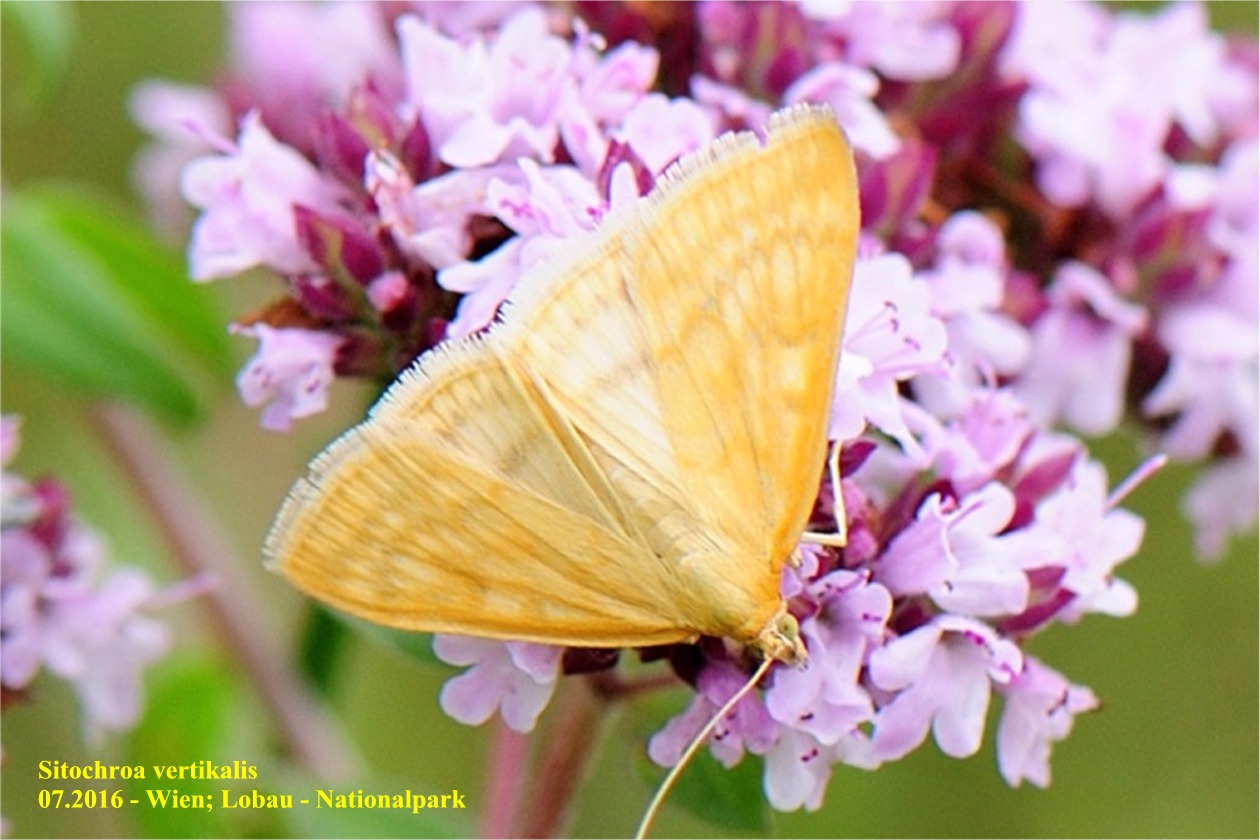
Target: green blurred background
{"points": [[1173, 752]]}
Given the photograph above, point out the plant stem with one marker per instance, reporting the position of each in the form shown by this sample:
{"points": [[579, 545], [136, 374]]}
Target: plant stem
{"points": [[570, 738], [197, 543], [509, 757]]}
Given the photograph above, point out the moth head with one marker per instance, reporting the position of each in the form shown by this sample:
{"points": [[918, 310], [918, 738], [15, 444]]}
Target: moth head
{"points": [[781, 639]]}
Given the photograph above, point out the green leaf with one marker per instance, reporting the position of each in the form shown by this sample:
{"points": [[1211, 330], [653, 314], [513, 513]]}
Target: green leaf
{"points": [[48, 30], [323, 641], [188, 717], [95, 304], [152, 276], [732, 799], [418, 646]]}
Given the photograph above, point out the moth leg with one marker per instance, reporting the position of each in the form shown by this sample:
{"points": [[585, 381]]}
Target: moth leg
{"points": [[841, 537]]}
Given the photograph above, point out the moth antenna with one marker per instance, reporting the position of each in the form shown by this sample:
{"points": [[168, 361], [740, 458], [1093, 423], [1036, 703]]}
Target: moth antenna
{"points": [[659, 799], [841, 537]]}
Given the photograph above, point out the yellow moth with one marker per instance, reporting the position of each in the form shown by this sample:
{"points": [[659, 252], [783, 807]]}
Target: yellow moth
{"points": [[631, 454]]}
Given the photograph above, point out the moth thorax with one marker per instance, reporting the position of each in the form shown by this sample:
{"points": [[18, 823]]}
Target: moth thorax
{"points": [[781, 639]]}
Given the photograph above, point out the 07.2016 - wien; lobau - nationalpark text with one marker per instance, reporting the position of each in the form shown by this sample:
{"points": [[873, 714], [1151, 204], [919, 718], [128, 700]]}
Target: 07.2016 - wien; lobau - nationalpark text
{"points": [[407, 800], [227, 798]]}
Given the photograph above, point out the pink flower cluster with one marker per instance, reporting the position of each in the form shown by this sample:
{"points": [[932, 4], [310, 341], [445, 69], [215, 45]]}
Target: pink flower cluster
{"points": [[1059, 231], [1146, 129], [58, 613]]}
